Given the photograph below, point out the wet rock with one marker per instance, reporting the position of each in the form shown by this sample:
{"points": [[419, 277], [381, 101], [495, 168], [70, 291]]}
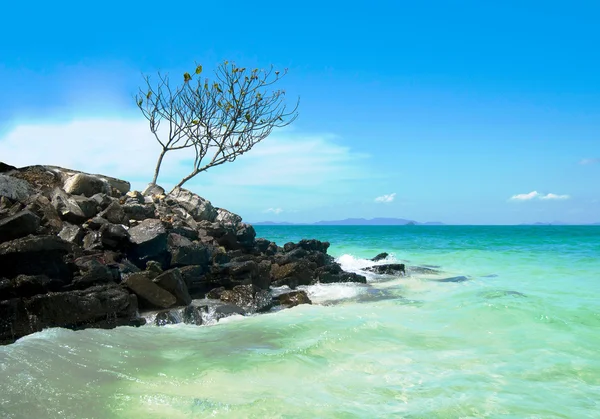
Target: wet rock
{"points": [[193, 314], [115, 214], [36, 255], [199, 208], [150, 294], [453, 279], [166, 317], [215, 293], [380, 256], [293, 274], [227, 310], [18, 225], [86, 185], [248, 298], [293, 298], [24, 286], [333, 273], [14, 188], [149, 242], [173, 282], [102, 306], [388, 269], [423, 270]]}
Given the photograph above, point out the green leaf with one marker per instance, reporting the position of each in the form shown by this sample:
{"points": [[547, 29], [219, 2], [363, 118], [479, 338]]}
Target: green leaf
{"points": [[195, 122], [199, 69], [186, 77], [140, 102], [148, 95]]}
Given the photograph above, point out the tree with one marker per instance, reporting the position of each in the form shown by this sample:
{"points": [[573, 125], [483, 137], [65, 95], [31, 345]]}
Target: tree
{"points": [[220, 119]]}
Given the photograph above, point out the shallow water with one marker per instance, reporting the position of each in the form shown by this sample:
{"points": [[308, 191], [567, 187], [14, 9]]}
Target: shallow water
{"points": [[518, 338]]}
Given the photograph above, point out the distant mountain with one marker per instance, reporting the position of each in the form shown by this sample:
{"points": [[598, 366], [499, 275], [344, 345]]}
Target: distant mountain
{"points": [[557, 223], [272, 223], [357, 222]]}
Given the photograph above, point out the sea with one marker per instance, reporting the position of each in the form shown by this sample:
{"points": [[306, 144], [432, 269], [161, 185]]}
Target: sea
{"points": [[504, 323]]}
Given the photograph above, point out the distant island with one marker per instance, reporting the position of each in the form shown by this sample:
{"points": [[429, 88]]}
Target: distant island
{"points": [[354, 222]]}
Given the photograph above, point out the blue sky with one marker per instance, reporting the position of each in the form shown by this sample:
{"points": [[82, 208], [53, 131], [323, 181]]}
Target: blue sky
{"points": [[454, 111]]}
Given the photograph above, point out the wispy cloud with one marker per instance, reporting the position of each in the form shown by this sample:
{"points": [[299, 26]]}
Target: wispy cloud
{"points": [[589, 161], [554, 196], [386, 198], [536, 195], [275, 211]]}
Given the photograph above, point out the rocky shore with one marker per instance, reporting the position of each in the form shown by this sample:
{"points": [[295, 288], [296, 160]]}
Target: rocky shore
{"points": [[80, 250]]}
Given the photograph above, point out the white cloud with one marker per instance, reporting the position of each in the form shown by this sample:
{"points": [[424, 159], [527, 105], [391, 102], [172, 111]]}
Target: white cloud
{"points": [[525, 196], [554, 196], [386, 198], [275, 211], [536, 195], [589, 161], [126, 149]]}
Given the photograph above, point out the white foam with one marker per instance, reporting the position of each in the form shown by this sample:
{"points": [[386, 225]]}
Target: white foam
{"points": [[352, 263], [322, 293]]}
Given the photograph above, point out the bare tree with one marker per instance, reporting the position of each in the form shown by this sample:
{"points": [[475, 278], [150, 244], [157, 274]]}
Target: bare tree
{"points": [[220, 119]]}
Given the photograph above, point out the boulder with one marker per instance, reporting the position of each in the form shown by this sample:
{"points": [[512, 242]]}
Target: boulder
{"points": [[86, 185], [248, 297], [114, 236], [193, 314], [21, 224], [379, 257], [14, 188], [184, 252], [68, 208], [173, 282], [199, 208], [92, 272], [115, 214], [227, 310], [234, 273], [225, 217], [150, 294], [293, 274], [166, 317], [388, 269], [293, 298], [139, 212], [24, 286], [152, 190], [149, 242], [333, 273], [36, 255], [72, 233], [102, 306]]}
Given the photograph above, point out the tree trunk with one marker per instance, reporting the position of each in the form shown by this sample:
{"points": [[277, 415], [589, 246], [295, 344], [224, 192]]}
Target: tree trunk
{"points": [[158, 163], [188, 177]]}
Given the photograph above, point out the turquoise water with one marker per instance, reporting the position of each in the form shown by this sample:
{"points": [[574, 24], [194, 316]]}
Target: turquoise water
{"points": [[519, 337]]}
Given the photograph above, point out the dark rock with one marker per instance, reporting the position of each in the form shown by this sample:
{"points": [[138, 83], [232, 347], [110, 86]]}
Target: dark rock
{"points": [[92, 241], [184, 252], [140, 212], [453, 279], [133, 197], [245, 235], [225, 217], [102, 201], [289, 246], [262, 279], [103, 306], [166, 317], [234, 273], [92, 272], [226, 310], [262, 245], [96, 223], [115, 214], [67, 208], [18, 225], [29, 285], [423, 270], [87, 185], [388, 269], [215, 293], [150, 294], [72, 233], [248, 298], [293, 298], [380, 256], [173, 282], [154, 267], [293, 274], [6, 167], [152, 189], [114, 236], [313, 245], [149, 242], [193, 314], [41, 255], [43, 208], [333, 273]]}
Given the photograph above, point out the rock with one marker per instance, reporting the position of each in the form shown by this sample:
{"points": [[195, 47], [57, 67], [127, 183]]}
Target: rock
{"points": [[234, 273], [67, 207], [262, 280], [138, 211], [150, 294], [154, 267], [184, 252], [423, 270], [313, 245], [215, 293], [102, 200], [199, 208], [18, 225], [292, 274], [102, 306], [173, 282], [193, 314], [453, 279], [245, 235], [225, 217], [248, 298], [36, 255], [6, 167], [293, 298], [134, 197], [114, 236], [72, 233], [42, 207], [166, 317], [92, 272], [227, 310], [14, 188], [379, 257], [152, 190], [24, 286], [115, 214], [86, 185], [149, 242], [388, 269], [96, 223], [333, 273], [262, 245]]}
